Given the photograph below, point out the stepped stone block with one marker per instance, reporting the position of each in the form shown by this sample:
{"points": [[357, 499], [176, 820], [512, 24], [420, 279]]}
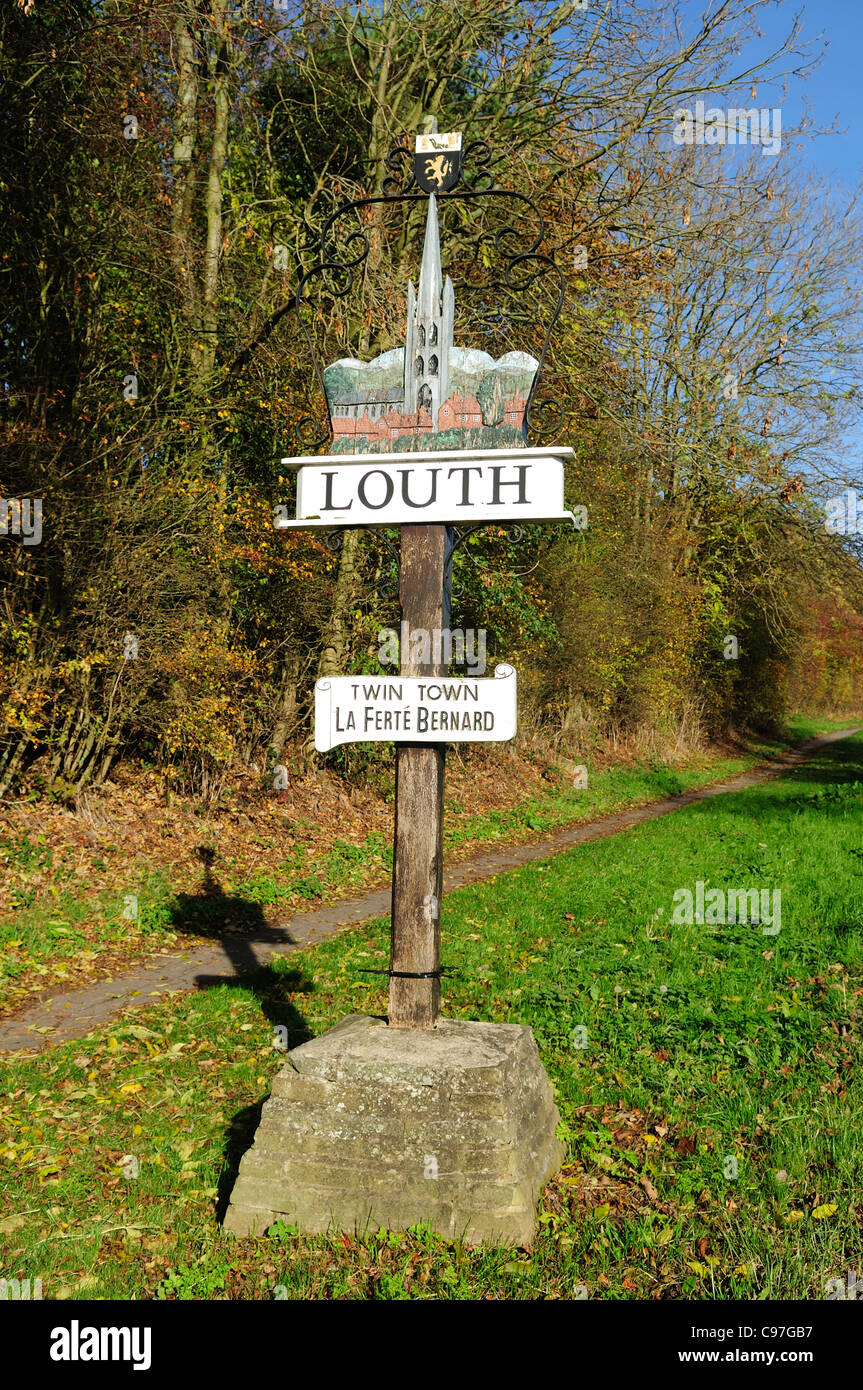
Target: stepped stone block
{"points": [[372, 1127]]}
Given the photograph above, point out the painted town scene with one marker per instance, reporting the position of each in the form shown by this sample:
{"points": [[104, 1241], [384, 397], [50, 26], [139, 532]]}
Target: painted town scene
{"points": [[429, 394]]}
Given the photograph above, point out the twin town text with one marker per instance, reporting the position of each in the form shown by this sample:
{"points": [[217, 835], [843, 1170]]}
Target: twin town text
{"points": [[415, 709]]}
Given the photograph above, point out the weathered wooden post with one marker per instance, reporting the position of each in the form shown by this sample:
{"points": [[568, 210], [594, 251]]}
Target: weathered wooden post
{"points": [[417, 1118], [415, 958]]}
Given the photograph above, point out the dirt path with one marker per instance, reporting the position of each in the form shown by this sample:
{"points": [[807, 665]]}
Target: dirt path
{"points": [[76, 1012]]}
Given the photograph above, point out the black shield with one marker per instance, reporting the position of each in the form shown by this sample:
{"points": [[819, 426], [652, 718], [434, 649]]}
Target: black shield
{"points": [[437, 171]]}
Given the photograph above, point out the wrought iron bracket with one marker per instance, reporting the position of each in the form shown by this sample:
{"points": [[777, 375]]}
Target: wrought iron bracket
{"points": [[522, 268]]}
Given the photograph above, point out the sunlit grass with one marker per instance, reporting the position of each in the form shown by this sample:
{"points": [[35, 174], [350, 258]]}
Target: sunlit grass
{"points": [[702, 1045]]}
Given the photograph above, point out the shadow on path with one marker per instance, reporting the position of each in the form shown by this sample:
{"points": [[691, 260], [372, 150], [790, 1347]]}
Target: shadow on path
{"points": [[234, 922], [238, 925]]}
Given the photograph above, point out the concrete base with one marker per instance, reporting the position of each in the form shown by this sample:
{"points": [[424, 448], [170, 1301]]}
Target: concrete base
{"points": [[370, 1126]]}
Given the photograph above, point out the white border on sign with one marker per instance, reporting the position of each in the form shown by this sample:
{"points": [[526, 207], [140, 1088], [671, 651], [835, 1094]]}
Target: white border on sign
{"points": [[521, 453], [432, 143], [324, 709]]}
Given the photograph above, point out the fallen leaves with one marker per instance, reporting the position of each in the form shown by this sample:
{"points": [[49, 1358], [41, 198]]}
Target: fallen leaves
{"points": [[13, 1223], [824, 1211]]}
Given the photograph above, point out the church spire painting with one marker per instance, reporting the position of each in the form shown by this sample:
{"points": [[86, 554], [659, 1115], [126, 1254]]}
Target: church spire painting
{"points": [[429, 394]]}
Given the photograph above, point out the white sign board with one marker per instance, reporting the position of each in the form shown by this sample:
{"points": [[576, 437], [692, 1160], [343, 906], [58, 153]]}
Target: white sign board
{"points": [[434, 486], [433, 143], [415, 709]]}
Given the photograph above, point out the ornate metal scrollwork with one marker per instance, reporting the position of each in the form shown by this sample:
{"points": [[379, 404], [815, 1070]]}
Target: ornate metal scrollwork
{"points": [[397, 162], [480, 152], [523, 266]]}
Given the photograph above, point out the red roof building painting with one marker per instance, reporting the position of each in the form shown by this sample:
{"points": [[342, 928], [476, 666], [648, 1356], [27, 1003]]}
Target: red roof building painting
{"points": [[426, 389], [459, 412]]}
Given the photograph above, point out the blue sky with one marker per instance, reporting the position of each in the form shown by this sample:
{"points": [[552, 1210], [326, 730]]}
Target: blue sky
{"points": [[835, 90], [834, 96]]}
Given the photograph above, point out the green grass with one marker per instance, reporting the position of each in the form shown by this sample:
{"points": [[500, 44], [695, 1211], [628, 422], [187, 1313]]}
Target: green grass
{"points": [[609, 790], [703, 1045], [60, 932]]}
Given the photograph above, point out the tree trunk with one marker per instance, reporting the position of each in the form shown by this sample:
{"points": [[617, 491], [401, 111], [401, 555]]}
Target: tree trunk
{"points": [[185, 142], [206, 352], [286, 716], [336, 643]]}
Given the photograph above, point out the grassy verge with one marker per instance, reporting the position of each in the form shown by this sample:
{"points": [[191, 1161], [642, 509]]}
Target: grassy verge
{"points": [[674, 1049], [62, 931]]}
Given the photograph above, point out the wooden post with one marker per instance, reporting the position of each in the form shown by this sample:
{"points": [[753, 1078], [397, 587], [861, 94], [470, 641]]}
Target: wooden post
{"points": [[418, 839]]}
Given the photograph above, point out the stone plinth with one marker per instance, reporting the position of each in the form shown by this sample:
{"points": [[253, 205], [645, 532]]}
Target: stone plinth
{"points": [[370, 1126]]}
